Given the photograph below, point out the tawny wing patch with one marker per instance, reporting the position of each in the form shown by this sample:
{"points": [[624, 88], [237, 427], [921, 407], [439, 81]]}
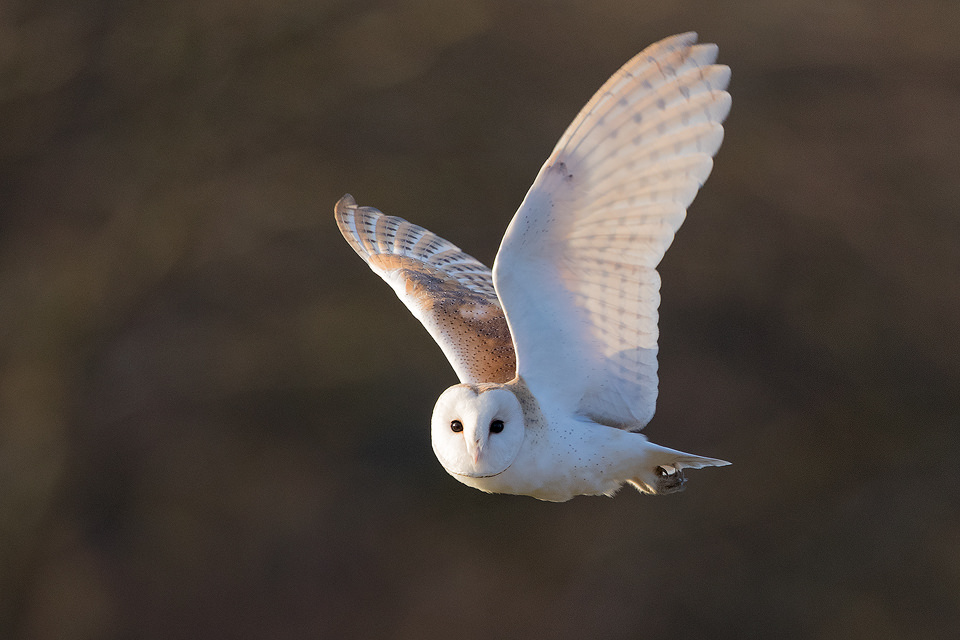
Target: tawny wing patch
{"points": [[576, 272], [448, 291]]}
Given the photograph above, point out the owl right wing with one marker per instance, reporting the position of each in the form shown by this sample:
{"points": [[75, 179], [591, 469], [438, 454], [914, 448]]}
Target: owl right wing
{"points": [[576, 272], [448, 291]]}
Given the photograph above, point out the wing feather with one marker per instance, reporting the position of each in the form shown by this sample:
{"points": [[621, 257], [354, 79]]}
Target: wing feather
{"points": [[576, 272], [450, 292]]}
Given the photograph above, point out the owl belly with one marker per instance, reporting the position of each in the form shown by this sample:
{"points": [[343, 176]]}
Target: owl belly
{"points": [[584, 459]]}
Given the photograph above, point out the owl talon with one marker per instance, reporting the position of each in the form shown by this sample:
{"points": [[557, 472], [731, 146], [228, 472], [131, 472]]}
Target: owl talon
{"points": [[670, 479]]}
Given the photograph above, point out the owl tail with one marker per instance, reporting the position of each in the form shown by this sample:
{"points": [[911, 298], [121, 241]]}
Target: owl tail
{"points": [[662, 469]]}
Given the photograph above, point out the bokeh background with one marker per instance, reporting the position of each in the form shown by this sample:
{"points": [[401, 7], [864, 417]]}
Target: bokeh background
{"points": [[214, 418]]}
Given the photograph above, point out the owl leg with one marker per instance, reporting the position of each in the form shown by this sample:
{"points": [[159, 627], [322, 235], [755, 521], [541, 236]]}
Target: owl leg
{"points": [[665, 479], [661, 469], [670, 479]]}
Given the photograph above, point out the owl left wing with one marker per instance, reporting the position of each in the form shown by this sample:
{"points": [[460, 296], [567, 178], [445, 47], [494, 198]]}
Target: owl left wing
{"points": [[576, 271], [448, 291]]}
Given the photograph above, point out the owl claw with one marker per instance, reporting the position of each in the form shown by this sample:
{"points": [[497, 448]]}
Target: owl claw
{"points": [[669, 479]]}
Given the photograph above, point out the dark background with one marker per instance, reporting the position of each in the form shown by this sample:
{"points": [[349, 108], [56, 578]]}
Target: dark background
{"points": [[214, 417]]}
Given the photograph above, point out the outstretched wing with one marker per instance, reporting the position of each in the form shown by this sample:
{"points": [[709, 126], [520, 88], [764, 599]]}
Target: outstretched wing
{"points": [[576, 272], [448, 291]]}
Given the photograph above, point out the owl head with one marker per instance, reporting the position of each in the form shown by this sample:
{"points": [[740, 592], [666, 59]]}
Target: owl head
{"points": [[477, 430]]}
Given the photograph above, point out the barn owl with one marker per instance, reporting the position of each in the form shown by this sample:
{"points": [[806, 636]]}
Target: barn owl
{"points": [[556, 347]]}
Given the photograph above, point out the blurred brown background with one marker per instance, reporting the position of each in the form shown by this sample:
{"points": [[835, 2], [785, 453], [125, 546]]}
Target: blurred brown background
{"points": [[214, 418]]}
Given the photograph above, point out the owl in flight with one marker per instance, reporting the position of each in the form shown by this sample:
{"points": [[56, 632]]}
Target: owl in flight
{"points": [[556, 348]]}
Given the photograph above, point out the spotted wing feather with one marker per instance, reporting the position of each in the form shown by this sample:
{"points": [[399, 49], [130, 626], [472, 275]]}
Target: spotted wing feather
{"points": [[450, 292]]}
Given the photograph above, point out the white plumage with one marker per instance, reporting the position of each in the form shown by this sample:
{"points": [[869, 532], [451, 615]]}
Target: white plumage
{"points": [[556, 350]]}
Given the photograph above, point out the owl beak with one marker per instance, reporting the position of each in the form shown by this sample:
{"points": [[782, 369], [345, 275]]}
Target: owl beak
{"points": [[475, 449]]}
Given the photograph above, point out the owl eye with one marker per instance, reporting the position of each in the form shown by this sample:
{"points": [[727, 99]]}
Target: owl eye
{"points": [[496, 426], [456, 426]]}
